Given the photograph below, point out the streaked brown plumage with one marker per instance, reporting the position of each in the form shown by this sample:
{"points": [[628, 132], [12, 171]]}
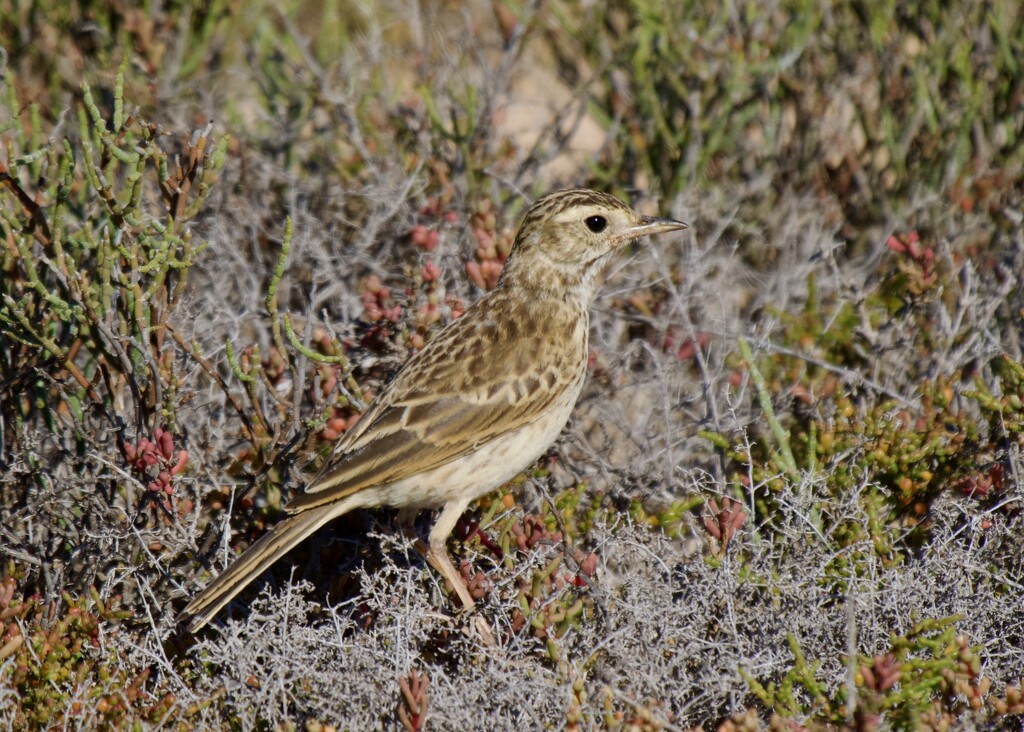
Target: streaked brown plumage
{"points": [[479, 404]]}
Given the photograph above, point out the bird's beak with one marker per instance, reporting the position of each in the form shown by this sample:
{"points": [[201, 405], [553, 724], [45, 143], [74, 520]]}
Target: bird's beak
{"points": [[652, 225]]}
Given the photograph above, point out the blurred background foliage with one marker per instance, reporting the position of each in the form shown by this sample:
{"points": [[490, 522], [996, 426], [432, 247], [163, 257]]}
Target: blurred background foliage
{"points": [[864, 103]]}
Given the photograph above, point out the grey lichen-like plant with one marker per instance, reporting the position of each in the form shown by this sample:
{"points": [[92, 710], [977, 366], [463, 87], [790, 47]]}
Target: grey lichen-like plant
{"points": [[480, 403]]}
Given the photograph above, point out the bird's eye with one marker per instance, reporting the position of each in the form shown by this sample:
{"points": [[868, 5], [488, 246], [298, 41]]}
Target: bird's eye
{"points": [[596, 224]]}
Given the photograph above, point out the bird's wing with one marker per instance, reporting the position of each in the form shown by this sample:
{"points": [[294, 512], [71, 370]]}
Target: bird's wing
{"points": [[476, 381]]}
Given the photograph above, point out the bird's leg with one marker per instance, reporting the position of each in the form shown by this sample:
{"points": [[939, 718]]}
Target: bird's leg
{"points": [[437, 552]]}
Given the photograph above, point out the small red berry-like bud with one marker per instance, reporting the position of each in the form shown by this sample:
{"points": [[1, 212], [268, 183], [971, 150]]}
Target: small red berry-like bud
{"points": [[164, 442], [430, 271], [895, 244], [180, 464], [484, 240], [418, 235], [475, 275]]}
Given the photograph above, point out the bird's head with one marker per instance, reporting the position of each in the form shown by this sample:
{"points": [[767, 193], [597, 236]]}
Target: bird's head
{"points": [[568, 235]]}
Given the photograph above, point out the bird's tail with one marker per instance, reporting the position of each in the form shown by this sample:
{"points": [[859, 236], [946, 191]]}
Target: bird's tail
{"points": [[251, 564]]}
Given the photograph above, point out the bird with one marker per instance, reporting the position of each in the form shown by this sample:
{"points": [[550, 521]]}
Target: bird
{"points": [[477, 405]]}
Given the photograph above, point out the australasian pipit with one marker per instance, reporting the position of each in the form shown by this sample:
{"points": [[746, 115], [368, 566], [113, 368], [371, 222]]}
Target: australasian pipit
{"points": [[480, 403]]}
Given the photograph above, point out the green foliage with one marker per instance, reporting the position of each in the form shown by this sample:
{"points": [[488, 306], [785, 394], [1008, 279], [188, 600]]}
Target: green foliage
{"points": [[54, 47], [864, 438], [926, 676], [897, 461], [97, 257], [704, 91], [58, 659]]}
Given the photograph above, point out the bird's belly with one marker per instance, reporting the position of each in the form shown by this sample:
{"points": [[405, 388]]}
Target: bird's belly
{"points": [[479, 471]]}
